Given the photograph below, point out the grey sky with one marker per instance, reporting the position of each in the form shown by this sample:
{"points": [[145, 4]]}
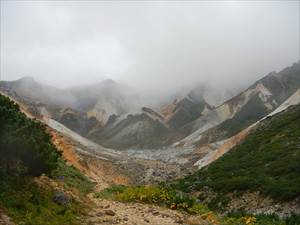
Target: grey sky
{"points": [[156, 45]]}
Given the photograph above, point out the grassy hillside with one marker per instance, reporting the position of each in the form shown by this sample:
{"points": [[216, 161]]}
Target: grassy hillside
{"points": [[267, 161], [26, 153]]}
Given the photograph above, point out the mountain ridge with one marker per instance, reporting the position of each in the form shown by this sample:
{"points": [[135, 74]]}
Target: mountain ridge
{"points": [[105, 112]]}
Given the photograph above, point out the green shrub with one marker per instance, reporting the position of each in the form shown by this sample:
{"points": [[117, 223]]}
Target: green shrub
{"points": [[72, 178], [154, 195], [294, 219], [29, 204], [25, 147], [26, 152], [241, 218]]}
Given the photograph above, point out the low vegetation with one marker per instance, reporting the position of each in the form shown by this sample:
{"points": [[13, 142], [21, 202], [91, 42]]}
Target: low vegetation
{"points": [[72, 178], [267, 161], [30, 204], [176, 200], [154, 195], [26, 153]]}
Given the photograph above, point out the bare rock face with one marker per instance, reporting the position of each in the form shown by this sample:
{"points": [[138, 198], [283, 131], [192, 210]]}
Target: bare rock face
{"points": [[182, 111], [77, 121], [138, 131]]}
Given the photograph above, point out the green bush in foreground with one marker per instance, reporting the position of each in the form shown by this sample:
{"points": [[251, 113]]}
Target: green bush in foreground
{"points": [[26, 152], [29, 204], [25, 147]]}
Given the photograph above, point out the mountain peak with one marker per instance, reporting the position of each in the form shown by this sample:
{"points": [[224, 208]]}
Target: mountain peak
{"points": [[27, 79]]}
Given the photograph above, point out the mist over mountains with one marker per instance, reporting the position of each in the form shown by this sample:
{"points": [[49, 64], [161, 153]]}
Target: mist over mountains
{"points": [[154, 46], [149, 112], [120, 117]]}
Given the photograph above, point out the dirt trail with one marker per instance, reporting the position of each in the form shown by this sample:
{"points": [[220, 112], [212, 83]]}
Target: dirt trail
{"points": [[110, 212]]}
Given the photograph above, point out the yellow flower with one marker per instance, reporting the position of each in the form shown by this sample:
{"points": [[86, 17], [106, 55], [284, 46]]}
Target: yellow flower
{"points": [[249, 220]]}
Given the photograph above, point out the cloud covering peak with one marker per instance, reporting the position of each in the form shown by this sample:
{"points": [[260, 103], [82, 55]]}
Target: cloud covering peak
{"points": [[155, 46]]}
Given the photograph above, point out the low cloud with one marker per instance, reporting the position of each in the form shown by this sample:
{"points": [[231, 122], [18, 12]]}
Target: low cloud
{"points": [[154, 46]]}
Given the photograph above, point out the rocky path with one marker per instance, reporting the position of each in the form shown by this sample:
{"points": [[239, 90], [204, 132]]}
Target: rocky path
{"points": [[111, 212], [127, 171]]}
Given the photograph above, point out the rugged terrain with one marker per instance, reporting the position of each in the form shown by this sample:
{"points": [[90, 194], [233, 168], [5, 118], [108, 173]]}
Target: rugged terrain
{"points": [[113, 116], [146, 147], [105, 168]]}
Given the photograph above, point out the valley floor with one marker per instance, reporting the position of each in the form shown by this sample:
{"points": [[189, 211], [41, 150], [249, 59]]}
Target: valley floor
{"points": [[111, 212], [113, 171], [107, 212]]}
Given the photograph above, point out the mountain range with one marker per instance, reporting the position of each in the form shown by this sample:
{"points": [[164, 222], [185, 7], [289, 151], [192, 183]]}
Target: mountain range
{"points": [[233, 163], [114, 116]]}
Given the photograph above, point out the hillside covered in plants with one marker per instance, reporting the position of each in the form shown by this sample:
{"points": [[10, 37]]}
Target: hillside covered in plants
{"points": [[28, 163], [267, 161]]}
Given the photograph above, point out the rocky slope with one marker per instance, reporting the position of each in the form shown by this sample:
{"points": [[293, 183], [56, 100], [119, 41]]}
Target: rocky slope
{"points": [[111, 115], [103, 112], [150, 129], [182, 111], [136, 131], [249, 106], [217, 150], [81, 108]]}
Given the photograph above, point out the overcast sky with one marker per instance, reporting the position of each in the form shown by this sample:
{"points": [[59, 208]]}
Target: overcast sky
{"points": [[156, 45]]}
